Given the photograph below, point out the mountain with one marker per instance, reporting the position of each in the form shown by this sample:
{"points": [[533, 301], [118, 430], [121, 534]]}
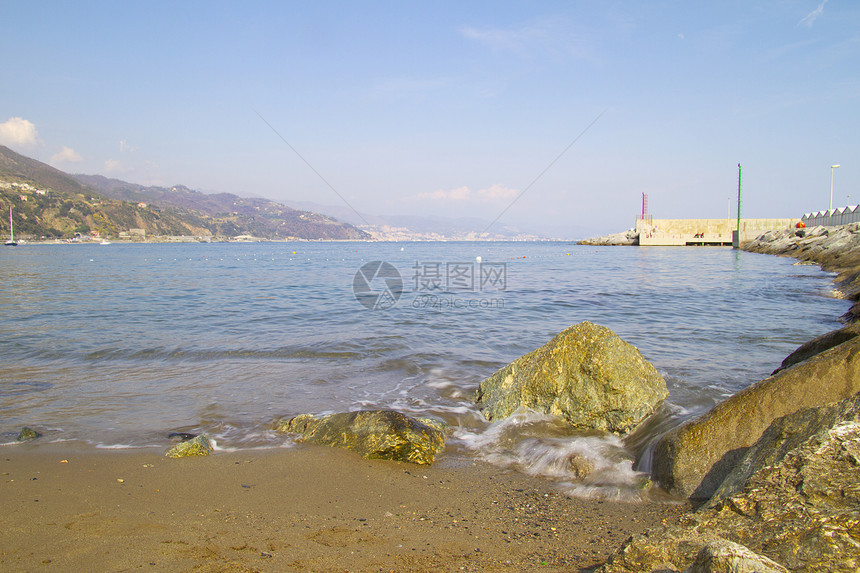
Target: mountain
{"points": [[233, 215], [47, 202]]}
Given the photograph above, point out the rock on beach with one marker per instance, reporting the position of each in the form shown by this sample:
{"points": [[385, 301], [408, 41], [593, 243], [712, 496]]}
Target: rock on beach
{"points": [[197, 446], [727, 557], [586, 375], [26, 434], [694, 459], [820, 344], [788, 433], [375, 434], [795, 500]]}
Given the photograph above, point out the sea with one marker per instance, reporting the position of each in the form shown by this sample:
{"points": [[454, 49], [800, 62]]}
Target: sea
{"points": [[118, 346]]}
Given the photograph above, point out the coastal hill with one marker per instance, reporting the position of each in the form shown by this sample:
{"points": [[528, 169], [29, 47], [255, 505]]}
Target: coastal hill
{"points": [[235, 215], [48, 202]]}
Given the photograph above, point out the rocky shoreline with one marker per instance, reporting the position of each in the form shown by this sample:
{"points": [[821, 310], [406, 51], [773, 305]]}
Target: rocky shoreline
{"points": [[776, 467], [626, 238], [834, 249]]}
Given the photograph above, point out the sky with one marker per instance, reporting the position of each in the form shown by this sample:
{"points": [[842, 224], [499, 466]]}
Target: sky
{"points": [[549, 116]]}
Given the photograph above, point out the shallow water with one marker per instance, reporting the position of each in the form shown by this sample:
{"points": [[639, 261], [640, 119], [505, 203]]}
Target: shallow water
{"points": [[119, 345]]}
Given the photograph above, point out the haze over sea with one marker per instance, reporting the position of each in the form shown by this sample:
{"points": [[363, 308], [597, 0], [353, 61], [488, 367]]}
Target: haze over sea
{"points": [[119, 345]]}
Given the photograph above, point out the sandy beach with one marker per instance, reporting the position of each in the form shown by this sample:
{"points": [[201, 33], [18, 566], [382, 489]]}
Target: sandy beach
{"points": [[308, 508]]}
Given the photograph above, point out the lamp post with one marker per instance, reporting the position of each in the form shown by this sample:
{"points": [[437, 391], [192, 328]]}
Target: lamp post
{"points": [[832, 167]]}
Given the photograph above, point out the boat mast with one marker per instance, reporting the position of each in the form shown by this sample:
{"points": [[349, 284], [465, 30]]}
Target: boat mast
{"points": [[11, 230]]}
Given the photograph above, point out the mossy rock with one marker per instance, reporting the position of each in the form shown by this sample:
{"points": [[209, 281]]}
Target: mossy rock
{"points": [[586, 375], [198, 446], [375, 434], [27, 434], [693, 459]]}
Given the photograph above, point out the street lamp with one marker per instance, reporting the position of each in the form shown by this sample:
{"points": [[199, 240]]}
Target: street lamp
{"points": [[832, 167]]}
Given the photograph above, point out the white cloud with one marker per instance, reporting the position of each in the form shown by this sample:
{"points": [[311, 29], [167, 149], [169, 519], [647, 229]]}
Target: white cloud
{"points": [[124, 147], [556, 37], [18, 131], [810, 18], [66, 155], [514, 40], [114, 166], [458, 194], [494, 193]]}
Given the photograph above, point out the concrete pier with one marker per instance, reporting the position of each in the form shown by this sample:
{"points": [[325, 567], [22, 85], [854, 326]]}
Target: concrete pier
{"points": [[704, 232]]}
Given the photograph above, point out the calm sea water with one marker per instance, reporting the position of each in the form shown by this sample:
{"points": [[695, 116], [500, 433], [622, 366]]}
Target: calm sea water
{"points": [[119, 345]]}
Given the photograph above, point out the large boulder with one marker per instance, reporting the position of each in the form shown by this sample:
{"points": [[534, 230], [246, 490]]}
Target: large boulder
{"points": [[586, 375], [820, 344], [375, 434], [801, 510], [783, 436], [693, 459]]}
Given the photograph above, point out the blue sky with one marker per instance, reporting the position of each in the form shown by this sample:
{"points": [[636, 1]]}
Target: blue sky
{"points": [[450, 109]]}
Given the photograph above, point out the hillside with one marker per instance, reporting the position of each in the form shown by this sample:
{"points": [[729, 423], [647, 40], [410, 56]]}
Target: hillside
{"points": [[48, 203], [255, 216]]}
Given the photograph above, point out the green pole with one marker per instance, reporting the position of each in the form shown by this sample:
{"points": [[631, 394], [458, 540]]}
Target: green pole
{"points": [[739, 201]]}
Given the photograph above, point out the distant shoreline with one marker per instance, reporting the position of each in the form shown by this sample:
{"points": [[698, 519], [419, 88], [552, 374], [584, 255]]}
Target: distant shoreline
{"points": [[188, 241]]}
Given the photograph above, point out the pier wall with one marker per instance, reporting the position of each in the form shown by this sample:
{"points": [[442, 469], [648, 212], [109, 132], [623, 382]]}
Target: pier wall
{"points": [[681, 232]]}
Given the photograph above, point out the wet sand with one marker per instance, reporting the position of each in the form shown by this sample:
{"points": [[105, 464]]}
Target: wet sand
{"points": [[308, 508]]}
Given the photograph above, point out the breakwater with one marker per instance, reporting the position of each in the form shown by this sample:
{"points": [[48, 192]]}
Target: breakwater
{"points": [[650, 232], [703, 232]]}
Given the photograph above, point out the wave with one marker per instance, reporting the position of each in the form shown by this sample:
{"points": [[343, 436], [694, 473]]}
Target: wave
{"points": [[539, 445]]}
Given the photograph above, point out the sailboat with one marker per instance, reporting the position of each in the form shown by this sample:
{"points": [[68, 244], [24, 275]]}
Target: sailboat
{"points": [[11, 242]]}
